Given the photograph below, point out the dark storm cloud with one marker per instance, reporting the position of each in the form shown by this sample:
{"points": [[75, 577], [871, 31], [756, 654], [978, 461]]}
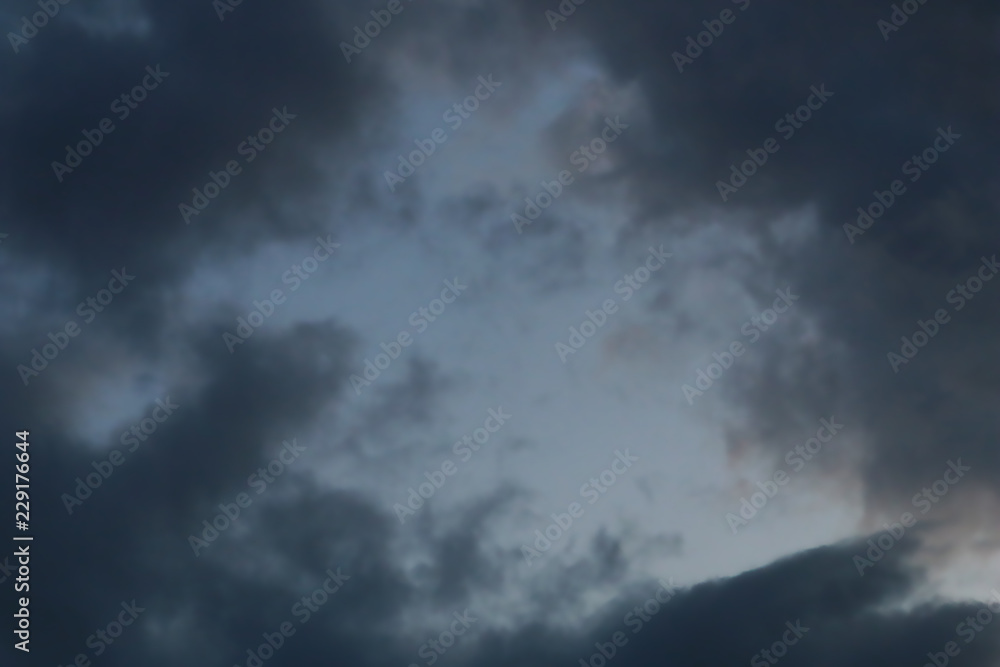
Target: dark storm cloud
{"points": [[889, 97], [842, 618], [130, 537], [730, 621], [220, 81]]}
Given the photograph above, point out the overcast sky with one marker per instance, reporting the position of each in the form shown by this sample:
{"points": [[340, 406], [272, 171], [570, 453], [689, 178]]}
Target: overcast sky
{"points": [[454, 332]]}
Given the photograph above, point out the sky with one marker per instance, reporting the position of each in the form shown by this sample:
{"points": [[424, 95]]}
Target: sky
{"points": [[446, 332]]}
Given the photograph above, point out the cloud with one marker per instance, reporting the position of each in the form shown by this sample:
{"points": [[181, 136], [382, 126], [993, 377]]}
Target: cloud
{"points": [[221, 81]]}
